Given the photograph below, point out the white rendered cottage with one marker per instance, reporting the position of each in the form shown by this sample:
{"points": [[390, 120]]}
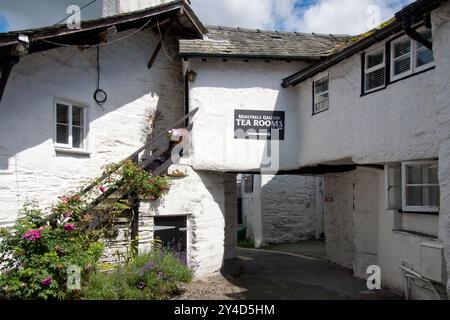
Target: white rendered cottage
{"points": [[370, 114]]}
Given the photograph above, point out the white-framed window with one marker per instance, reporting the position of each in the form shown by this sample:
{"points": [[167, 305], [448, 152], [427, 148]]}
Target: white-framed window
{"points": [[321, 95], [409, 56], [412, 186], [420, 186], [70, 125], [375, 70]]}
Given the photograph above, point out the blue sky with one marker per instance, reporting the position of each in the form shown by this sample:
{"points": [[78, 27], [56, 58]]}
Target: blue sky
{"points": [[4, 25], [324, 16]]}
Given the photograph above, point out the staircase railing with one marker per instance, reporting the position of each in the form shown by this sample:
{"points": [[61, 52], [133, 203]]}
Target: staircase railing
{"points": [[156, 151]]}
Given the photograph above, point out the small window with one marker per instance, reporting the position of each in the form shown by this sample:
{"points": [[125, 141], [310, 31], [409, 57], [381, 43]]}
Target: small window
{"points": [[420, 186], [393, 182], [70, 125], [375, 70], [248, 184], [321, 97], [409, 56]]}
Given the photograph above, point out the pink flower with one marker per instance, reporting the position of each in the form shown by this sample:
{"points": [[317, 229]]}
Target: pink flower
{"points": [[102, 189], [64, 199], [47, 281], [67, 214], [69, 227], [32, 235]]}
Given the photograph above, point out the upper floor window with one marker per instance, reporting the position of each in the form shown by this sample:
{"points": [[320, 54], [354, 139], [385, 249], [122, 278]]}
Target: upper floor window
{"points": [[409, 56], [321, 96], [70, 125], [375, 70]]}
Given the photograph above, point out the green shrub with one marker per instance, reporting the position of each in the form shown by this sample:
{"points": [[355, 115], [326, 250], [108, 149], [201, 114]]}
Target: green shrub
{"points": [[152, 276], [34, 256]]}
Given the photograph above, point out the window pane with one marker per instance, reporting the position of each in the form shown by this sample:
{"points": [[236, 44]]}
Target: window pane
{"points": [[375, 79], [414, 174], [424, 56], [422, 174], [321, 85], [422, 196], [62, 113], [77, 116], [401, 48], [77, 140], [62, 133], [402, 65], [375, 59]]}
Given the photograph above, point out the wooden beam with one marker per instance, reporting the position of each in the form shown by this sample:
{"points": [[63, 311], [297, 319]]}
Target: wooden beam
{"points": [[152, 59], [6, 71]]}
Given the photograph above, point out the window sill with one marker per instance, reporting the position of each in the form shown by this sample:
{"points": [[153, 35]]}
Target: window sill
{"points": [[72, 151], [427, 213], [415, 233]]}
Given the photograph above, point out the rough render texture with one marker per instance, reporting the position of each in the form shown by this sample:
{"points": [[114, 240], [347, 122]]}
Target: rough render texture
{"points": [[359, 231], [207, 199], [441, 36], [219, 89], [391, 125], [288, 208], [30, 168]]}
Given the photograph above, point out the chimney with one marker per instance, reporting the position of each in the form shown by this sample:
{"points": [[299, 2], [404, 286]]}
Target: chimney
{"points": [[114, 7]]}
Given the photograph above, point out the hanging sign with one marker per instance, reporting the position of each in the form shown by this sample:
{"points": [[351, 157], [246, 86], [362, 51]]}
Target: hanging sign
{"points": [[258, 124]]}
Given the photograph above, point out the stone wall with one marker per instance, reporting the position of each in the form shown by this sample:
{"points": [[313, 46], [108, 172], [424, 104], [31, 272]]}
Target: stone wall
{"points": [[207, 199], [289, 208], [282, 209]]}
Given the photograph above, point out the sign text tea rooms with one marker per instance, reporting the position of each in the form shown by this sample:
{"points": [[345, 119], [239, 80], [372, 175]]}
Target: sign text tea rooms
{"points": [[258, 124]]}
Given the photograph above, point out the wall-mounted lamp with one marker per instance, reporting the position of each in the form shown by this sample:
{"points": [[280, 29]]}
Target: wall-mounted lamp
{"points": [[191, 75]]}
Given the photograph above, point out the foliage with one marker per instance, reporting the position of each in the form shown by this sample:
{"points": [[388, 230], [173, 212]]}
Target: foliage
{"points": [[155, 275], [34, 256], [35, 253], [140, 182]]}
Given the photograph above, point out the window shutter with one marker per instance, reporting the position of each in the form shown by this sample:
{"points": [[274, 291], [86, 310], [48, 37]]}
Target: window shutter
{"points": [[393, 187]]}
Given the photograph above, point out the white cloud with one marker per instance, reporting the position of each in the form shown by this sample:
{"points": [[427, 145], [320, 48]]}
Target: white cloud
{"points": [[235, 13], [324, 16], [345, 16]]}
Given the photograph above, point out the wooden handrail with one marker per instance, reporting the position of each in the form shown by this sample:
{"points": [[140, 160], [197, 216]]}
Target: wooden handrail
{"points": [[136, 153]]}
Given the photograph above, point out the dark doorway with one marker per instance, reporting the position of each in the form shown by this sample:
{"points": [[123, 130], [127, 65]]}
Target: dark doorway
{"points": [[172, 232]]}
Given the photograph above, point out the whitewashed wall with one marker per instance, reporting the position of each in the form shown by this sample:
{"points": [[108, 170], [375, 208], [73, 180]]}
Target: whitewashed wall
{"points": [[222, 87], [396, 124], [409, 120], [29, 166], [441, 36], [359, 231], [208, 199]]}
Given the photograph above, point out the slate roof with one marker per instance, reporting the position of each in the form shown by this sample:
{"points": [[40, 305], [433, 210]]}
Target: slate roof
{"points": [[248, 43]]}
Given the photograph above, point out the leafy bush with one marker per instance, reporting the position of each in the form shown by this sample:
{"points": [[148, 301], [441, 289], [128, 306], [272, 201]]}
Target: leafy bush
{"points": [[36, 252], [155, 275], [34, 256]]}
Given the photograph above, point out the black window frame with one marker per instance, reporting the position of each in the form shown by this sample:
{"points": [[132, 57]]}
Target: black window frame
{"points": [[314, 95]]}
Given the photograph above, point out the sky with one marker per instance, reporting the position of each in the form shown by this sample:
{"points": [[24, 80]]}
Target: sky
{"points": [[321, 16]]}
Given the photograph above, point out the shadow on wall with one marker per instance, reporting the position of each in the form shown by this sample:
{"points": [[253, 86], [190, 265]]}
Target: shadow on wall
{"points": [[26, 111]]}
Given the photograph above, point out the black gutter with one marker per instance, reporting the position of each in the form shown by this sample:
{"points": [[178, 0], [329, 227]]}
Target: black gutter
{"points": [[248, 56], [413, 11]]}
